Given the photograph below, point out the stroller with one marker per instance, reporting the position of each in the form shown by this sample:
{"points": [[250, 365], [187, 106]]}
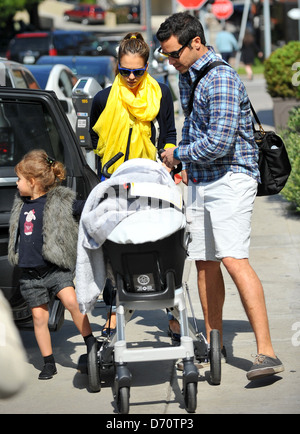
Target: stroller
{"points": [[145, 252]]}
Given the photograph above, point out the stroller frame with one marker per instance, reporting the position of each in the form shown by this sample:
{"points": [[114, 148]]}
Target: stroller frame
{"points": [[114, 352], [123, 355], [150, 260], [166, 291]]}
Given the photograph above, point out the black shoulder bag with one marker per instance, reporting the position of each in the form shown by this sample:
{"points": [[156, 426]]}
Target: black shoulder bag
{"points": [[273, 163]]}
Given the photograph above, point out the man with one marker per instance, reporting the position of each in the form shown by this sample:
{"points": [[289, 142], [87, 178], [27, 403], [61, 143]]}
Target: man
{"points": [[226, 43], [219, 158]]}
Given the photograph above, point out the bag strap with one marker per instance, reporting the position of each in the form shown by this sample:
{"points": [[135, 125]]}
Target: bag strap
{"points": [[198, 78], [257, 120], [201, 75]]}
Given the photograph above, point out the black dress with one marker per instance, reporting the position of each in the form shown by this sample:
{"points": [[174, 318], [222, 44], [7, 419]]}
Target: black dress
{"points": [[249, 52]]}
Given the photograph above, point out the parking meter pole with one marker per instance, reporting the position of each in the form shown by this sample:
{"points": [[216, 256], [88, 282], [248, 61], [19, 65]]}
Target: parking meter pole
{"points": [[82, 96]]}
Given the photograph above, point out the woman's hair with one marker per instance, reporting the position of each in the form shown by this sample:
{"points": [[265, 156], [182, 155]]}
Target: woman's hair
{"points": [[134, 43], [37, 164], [182, 25], [248, 38]]}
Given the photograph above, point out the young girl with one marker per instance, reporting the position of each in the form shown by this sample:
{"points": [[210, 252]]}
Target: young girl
{"points": [[43, 243]]}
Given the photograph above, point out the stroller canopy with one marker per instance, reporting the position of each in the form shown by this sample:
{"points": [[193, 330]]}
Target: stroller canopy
{"points": [[139, 203]]}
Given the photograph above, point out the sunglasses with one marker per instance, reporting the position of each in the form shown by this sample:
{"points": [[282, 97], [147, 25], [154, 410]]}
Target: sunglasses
{"points": [[136, 72], [174, 54]]}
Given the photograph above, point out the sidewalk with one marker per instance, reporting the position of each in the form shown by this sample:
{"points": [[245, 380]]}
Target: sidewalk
{"points": [[156, 386]]}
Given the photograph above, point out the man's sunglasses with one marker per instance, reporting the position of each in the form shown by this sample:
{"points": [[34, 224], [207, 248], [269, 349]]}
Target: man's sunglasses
{"points": [[174, 54], [136, 72]]}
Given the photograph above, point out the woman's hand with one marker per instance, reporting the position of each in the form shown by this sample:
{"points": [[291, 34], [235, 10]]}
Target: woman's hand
{"points": [[168, 158], [184, 176]]}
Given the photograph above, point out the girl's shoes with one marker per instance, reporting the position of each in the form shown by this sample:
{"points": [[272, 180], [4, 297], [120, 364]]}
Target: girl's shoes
{"points": [[48, 371]]}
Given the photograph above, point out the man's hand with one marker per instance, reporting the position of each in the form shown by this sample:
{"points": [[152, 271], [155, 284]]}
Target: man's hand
{"points": [[168, 159]]}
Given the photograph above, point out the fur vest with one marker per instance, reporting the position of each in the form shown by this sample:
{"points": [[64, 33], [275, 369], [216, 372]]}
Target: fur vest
{"points": [[60, 229]]}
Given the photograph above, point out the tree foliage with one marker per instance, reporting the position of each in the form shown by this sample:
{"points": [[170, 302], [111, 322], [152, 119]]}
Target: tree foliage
{"points": [[279, 71], [291, 137], [8, 8]]}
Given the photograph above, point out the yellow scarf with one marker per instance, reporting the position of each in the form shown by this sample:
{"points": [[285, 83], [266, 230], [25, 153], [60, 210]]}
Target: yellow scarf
{"points": [[123, 111]]}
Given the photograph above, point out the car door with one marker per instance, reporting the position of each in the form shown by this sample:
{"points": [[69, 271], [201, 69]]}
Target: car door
{"points": [[32, 119]]}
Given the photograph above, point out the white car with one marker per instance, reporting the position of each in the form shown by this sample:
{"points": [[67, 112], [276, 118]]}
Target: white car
{"points": [[61, 80], [15, 74]]}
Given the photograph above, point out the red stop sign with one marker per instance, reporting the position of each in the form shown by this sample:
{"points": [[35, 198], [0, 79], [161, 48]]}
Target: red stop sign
{"points": [[222, 9], [192, 4]]}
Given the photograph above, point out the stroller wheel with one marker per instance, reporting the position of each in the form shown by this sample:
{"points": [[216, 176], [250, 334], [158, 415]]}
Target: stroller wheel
{"points": [[215, 357], [123, 400], [93, 369], [190, 397]]}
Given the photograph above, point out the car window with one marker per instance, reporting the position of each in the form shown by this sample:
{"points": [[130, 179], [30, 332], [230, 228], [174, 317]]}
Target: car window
{"points": [[36, 43], [25, 126], [63, 42], [95, 70], [65, 83], [31, 83], [8, 81], [19, 78]]}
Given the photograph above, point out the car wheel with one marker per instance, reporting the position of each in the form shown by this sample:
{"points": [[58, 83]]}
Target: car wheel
{"points": [[85, 21]]}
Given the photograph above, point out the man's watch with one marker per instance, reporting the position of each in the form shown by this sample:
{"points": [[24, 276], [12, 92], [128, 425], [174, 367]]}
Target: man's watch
{"points": [[175, 154]]}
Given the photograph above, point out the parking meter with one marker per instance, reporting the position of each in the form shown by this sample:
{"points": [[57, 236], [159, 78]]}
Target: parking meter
{"points": [[82, 96]]}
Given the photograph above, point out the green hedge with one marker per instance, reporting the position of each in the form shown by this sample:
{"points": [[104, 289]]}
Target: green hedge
{"points": [[280, 68], [291, 138]]}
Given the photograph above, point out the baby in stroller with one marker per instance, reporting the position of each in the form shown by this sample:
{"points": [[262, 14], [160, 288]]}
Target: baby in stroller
{"points": [[133, 224]]}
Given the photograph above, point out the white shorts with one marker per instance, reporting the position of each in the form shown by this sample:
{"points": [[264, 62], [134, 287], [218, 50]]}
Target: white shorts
{"points": [[219, 217]]}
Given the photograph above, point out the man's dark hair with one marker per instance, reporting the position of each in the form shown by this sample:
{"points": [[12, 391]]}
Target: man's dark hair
{"points": [[182, 25]]}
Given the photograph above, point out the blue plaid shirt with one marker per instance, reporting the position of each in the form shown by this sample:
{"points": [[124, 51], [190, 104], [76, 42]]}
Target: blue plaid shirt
{"points": [[217, 137]]}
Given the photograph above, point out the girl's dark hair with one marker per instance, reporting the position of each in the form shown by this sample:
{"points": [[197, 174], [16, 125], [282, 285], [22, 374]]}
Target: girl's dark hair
{"points": [[182, 25], [37, 164], [134, 43]]}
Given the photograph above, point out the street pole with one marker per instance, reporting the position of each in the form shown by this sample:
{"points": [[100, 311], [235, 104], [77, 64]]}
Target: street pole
{"points": [[267, 28], [174, 6], [242, 32], [149, 33], [202, 18]]}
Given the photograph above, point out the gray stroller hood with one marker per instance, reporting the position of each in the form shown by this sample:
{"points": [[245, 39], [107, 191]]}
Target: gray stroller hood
{"points": [[139, 203]]}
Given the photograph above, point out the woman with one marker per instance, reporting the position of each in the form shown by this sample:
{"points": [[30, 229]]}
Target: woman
{"points": [[126, 116], [249, 52], [135, 116]]}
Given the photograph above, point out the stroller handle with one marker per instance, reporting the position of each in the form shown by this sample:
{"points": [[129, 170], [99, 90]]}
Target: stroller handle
{"points": [[119, 155], [110, 163], [175, 169]]}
